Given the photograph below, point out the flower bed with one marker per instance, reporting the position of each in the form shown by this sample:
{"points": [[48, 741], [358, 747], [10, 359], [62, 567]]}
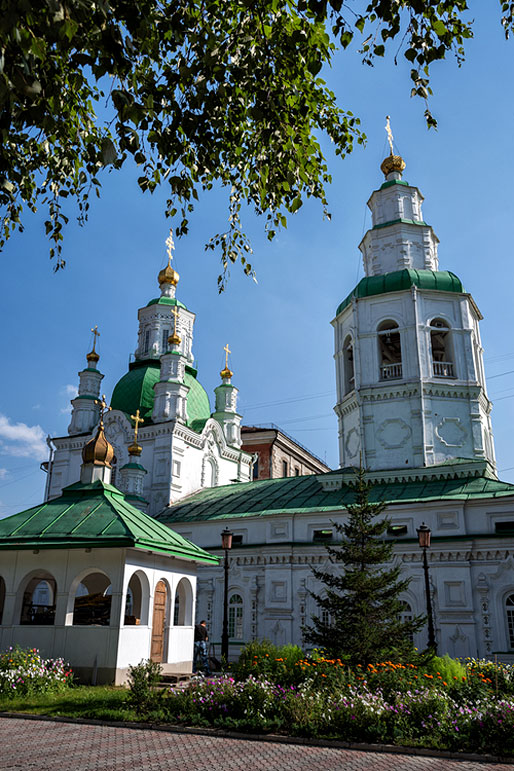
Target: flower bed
{"points": [[24, 671], [440, 702], [429, 715]]}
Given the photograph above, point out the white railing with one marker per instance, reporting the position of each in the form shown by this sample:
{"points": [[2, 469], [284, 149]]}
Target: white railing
{"points": [[443, 369], [391, 371]]}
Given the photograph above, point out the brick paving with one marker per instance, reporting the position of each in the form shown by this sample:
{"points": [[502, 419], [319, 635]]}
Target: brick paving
{"points": [[42, 745]]}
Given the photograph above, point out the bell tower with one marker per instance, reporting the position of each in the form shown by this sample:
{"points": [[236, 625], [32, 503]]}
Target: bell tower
{"points": [[411, 389]]}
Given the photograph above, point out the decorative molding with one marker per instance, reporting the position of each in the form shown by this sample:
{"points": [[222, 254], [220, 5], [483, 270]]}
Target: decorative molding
{"points": [[451, 432], [393, 433], [352, 443]]}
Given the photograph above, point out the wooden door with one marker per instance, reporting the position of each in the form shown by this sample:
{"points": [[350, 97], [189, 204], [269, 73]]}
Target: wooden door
{"points": [[159, 618]]}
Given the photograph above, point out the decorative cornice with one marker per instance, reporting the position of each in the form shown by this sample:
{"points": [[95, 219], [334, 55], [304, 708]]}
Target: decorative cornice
{"points": [[460, 470]]}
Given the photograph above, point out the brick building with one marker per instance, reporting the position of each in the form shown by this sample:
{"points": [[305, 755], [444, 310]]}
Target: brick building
{"points": [[278, 455]]}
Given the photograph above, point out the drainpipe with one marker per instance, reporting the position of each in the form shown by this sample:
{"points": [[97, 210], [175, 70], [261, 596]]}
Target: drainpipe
{"points": [[271, 455]]}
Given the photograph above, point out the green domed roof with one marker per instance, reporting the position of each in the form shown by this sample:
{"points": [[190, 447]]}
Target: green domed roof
{"points": [[135, 391], [439, 280], [166, 301]]}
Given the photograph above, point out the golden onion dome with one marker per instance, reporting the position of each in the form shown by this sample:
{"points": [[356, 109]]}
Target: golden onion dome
{"points": [[168, 276], [174, 339], [92, 356], [135, 449], [392, 163], [226, 373], [98, 451]]}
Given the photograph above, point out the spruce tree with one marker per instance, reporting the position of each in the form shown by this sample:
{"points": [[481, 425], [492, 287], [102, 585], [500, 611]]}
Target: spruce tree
{"points": [[363, 598]]}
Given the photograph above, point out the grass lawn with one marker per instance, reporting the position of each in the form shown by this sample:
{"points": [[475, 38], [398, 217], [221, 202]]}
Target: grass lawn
{"points": [[98, 702]]}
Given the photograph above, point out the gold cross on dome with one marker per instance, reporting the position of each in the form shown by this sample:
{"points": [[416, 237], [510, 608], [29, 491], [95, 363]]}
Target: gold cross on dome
{"points": [[103, 408], [96, 334], [389, 133], [137, 420], [227, 351], [170, 246]]}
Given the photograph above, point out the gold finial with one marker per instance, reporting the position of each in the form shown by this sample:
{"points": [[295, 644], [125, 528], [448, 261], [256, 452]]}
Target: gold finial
{"points": [[92, 355], [226, 372], [175, 338], [135, 448], [98, 450], [103, 409], [392, 162], [167, 275]]}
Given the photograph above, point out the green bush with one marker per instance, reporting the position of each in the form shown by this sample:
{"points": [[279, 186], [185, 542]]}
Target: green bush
{"points": [[25, 671], [446, 668], [260, 658], [143, 679]]}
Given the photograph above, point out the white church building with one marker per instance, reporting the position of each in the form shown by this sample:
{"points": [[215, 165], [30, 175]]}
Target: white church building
{"points": [[412, 407], [184, 446]]}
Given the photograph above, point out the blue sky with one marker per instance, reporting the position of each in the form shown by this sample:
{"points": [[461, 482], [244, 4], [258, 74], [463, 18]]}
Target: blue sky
{"points": [[278, 329]]}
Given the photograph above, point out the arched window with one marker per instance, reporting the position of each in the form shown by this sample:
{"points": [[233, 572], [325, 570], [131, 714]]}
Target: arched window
{"points": [[183, 607], [390, 351], [210, 472], [114, 463], [406, 615], [325, 617], [509, 612], [136, 603], [442, 357], [93, 599], [38, 604], [2, 598], [349, 373], [235, 617]]}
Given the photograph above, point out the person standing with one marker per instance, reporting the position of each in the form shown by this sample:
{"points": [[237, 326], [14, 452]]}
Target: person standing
{"points": [[200, 649]]}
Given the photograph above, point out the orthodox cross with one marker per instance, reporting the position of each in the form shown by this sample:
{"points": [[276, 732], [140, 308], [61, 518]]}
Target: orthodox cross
{"points": [[170, 246], [389, 133], [227, 351], [96, 334], [103, 408], [137, 420]]}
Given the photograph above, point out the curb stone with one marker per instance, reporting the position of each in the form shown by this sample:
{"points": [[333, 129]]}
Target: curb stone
{"points": [[391, 749]]}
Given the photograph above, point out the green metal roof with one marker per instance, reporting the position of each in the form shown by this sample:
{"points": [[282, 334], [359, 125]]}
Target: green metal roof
{"points": [[438, 280], [306, 495], [135, 391], [96, 516], [166, 301]]}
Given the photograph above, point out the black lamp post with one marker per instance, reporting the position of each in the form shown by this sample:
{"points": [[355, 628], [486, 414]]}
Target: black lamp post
{"points": [[424, 541], [226, 545]]}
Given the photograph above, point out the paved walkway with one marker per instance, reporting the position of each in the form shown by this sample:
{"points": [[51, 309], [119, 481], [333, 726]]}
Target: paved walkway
{"points": [[42, 745]]}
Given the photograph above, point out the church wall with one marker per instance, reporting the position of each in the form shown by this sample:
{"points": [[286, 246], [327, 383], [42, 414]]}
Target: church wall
{"points": [[135, 640], [469, 565]]}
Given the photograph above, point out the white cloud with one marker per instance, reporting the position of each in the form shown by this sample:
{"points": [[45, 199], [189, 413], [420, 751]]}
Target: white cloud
{"points": [[36, 406], [3, 473], [21, 440], [71, 391]]}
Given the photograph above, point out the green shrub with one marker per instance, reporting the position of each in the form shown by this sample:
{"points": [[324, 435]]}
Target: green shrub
{"points": [[143, 679], [446, 668], [260, 658]]}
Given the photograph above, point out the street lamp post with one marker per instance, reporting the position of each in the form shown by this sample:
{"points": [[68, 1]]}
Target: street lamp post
{"points": [[226, 545], [424, 541]]}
